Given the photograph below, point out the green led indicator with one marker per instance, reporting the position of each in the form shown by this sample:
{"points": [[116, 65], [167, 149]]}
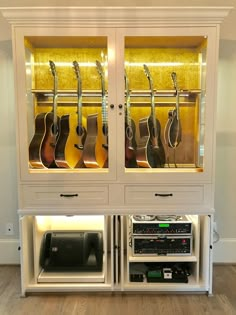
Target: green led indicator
{"points": [[164, 225]]}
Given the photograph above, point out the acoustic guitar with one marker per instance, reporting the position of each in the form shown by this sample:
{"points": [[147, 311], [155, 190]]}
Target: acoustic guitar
{"points": [[52, 126], [72, 132], [35, 160], [42, 145], [96, 143], [130, 130], [150, 151]]}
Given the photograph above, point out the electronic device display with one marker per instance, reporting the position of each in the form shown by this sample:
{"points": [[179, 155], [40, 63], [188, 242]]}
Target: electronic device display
{"points": [[161, 245], [72, 251], [172, 225]]}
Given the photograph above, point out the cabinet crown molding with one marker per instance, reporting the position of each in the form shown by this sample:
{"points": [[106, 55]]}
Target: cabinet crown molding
{"points": [[114, 16]]}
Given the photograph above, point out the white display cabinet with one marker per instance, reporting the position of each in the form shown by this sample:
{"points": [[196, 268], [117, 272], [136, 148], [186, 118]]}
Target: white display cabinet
{"points": [[115, 114]]}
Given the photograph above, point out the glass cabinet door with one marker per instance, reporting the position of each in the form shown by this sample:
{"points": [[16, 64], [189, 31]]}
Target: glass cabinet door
{"points": [[68, 117], [165, 79]]}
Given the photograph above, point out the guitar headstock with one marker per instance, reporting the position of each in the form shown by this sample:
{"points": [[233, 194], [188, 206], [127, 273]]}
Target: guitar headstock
{"points": [[77, 73], [54, 73], [148, 75], [53, 68], [76, 68], [100, 68], [102, 75], [174, 79]]}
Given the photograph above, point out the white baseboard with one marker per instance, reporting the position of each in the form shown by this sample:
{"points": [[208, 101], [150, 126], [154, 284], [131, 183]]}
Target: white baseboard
{"points": [[10, 254], [224, 251]]}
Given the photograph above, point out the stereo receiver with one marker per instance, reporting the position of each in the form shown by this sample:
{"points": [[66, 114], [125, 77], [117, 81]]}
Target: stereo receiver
{"points": [[162, 245], [180, 225]]}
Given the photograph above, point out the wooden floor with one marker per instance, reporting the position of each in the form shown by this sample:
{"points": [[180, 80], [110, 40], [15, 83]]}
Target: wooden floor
{"points": [[222, 302]]}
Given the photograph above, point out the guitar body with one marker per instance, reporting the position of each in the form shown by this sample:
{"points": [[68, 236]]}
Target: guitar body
{"points": [[174, 130], [35, 160], [90, 145], [68, 150], [49, 142], [158, 155], [143, 146], [130, 145], [102, 157], [150, 151], [60, 152]]}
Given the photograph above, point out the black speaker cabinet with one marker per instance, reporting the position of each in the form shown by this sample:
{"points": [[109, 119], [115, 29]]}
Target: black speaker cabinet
{"points": [[72, 251]]}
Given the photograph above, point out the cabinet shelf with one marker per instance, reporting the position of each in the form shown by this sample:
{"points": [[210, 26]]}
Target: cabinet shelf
{"points": [[138, 97], [187, 258], [133, 93]]}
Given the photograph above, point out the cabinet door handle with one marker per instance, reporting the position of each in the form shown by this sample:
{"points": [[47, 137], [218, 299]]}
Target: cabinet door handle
{"points": [[69, 195], [163, 195], [112, 106]]}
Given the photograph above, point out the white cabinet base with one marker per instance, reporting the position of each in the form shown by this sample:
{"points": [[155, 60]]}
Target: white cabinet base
{"points": [[118, 258]]}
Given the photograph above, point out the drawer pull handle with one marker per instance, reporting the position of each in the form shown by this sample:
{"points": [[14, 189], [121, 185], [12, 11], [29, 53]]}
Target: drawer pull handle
{"points": [[163, 195], [69, 195]]}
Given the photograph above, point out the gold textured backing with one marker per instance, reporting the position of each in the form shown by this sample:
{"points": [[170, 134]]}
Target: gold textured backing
{"points": [[161, 62], [43, 80]]}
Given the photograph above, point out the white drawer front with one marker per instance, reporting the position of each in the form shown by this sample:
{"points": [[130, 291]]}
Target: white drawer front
{"points": [[47, 196], [151, 195]]}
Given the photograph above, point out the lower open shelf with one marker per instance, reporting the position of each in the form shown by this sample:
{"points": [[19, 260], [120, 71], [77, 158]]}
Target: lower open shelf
{"points": [[116, 271]]}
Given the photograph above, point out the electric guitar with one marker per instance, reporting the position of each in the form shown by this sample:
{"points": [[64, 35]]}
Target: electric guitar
{"points": [[130, 129], [150, 151]]}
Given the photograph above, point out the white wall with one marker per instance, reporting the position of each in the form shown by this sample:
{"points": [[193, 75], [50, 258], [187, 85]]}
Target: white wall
{"points": [[225, 199], [8, 180], [225, 193]]}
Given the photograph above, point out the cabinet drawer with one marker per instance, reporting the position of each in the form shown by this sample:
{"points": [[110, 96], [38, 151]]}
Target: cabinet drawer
{"points": [[149, 195], [47, 196]]}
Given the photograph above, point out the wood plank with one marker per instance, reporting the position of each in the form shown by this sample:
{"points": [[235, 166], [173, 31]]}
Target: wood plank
{"points": [[222, 302]]}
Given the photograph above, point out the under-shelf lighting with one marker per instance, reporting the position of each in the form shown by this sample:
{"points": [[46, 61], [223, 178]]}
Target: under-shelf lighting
{"points": [[163, 64]]}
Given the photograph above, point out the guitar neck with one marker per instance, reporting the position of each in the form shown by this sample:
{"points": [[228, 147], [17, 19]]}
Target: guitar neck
{"points": [[153, 110], [177, 105], [127, 111], [79, 109], [55, 95], [104, 111]]}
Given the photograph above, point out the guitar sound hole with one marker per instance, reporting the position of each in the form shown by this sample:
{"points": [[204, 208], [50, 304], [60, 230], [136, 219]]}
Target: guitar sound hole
{"points": [[80, 131], [105, 130], [54, 129]]}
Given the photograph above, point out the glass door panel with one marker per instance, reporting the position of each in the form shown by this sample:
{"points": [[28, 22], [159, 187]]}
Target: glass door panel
{"points": [[165, 84], [67, 92]]}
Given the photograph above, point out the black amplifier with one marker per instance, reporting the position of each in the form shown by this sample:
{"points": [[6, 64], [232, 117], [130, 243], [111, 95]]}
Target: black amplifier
{"points": [[162, 245], [179, 226]]}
